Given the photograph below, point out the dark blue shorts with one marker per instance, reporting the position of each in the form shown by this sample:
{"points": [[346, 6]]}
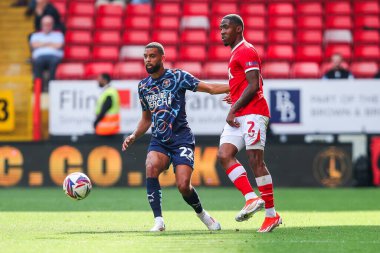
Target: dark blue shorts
{"points": [[179, 153]]}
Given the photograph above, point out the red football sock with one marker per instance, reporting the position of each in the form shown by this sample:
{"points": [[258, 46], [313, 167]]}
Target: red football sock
{"points": [[238, 176], [265, 186]]}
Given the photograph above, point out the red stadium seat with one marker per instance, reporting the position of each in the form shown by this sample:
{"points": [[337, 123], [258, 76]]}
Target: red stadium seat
{"points": [[254, 36], [137, 22], [105, 53], [309, 22], [338, 7], [171, 54], [370, 21], [193, 53], [108, 23], [260, 50], [255, 22], [81, 9], [276, 22], [77, 53], [364, 69], [368, 37], [110, 10], [280, 37], [280, 52], [61, 8], [166, 37], [309, 53], [139, 9], [107, 37], [339, 22], [219, 53], [312, 8], [136, 37], [215, 36], [167, 9], [367, 7], [305, 70], [367, 52], [166, 23], [218, 8], [215, 22], [250, 9], [80, 23], [78, 37], [280, 9], [276, 70], [92, 70], [344, 50], [309, 36], [195, 9], [70, 71], [194, 37], [128, 70], [216, 70], [195, 68]]}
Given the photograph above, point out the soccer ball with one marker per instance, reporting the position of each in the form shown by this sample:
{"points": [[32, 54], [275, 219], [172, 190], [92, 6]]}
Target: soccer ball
{"points": [[77, 186]]}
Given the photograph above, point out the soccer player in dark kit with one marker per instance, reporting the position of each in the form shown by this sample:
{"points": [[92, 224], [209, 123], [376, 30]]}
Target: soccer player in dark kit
{"points": [[162, 98]]}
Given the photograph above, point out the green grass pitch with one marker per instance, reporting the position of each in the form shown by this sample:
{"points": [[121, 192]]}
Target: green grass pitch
{"points": [[116, 220]]}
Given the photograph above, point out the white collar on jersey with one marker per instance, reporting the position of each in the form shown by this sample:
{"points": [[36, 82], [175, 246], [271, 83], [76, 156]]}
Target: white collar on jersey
{"points": [[241, 42]]}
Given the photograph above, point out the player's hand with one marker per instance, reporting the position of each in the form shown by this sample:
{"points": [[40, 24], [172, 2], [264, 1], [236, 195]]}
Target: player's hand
{"points": [[227, 99], [231, 120], [128, 141]]}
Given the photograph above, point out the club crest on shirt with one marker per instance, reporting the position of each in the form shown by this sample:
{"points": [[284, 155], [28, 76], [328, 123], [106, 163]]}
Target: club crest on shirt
{"points": [[166, 83]]}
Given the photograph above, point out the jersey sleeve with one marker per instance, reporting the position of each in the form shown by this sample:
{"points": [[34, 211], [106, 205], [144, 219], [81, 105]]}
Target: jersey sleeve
{"points": [[188, 81], [249, 60], [143, 102]]}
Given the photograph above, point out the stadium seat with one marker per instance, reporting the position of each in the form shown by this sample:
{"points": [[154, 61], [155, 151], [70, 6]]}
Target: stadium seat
{"points": [[280, 52], [167, 9], [216, 70], [278, 22], [253, 36], [305, 70], [280, 9], [343, 49], [105, 53], [195, 68], [309, 36], [261, 51], [92, 70], [139, 9], [364, 69], [193, 53], [138, 22], [215, 22], [309, 8], [166, 23], [218, 53], [215, 36], [339, 22], [132, 53], [309, 53], [70, 71], [107, 38], [221, 9], [81, 9], [108, 23], [78, 37], [195, 22], [367, 7], [337, 36], [171, 55], [309, 22], [276, 70], [166, 37], [366, 37], [110, 10], [250, 9], [338, 8], [367, 52], [61, 8], [136, 37], [367, 21], [280, 37], [194, 37], [80, 23], [128, 70], [77, 53], [195, 9], [255, 22]]}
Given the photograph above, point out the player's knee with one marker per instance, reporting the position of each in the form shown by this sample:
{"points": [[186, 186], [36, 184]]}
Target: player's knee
{"points": [[151, 170], [224, 157], [184, 188]]}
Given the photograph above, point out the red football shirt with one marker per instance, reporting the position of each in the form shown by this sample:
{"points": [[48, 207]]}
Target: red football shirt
{"points": [[244, 58]]}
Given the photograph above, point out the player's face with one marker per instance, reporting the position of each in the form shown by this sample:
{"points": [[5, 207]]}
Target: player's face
{"points": [[228, 32], [152, 60]]}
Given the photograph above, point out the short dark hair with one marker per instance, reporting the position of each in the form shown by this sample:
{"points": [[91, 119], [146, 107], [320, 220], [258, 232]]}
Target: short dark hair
{"points": [[106, 77], [157, 45], [236, 19]]}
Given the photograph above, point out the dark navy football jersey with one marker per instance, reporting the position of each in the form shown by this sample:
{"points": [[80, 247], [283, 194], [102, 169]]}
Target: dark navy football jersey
{"points": [[165, 98]]}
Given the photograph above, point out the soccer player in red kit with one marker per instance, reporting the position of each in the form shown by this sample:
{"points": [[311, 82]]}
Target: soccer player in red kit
{"points": [[247, 123]]}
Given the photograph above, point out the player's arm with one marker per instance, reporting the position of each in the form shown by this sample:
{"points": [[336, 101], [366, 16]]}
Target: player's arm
{"points": [[213, 88], [143, 126], [253, 78]]}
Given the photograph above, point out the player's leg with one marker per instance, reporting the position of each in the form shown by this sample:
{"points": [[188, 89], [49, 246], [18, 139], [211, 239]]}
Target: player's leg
{"points": [[156, 162]]}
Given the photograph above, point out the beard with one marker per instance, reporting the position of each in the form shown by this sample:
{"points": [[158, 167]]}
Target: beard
{"points": [[153, 69]]}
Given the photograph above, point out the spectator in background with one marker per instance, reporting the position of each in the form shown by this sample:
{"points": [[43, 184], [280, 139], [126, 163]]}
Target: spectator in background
{"points": [[42, 8], [377, 75], [47, 49], [107, 122], [337, 71]]}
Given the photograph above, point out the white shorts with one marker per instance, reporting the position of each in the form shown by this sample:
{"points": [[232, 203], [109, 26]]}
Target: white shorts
{"points": [[251, 133]]}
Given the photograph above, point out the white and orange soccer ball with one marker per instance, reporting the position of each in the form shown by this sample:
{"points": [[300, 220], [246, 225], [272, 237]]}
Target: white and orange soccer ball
{"points": [[77, 185]]}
